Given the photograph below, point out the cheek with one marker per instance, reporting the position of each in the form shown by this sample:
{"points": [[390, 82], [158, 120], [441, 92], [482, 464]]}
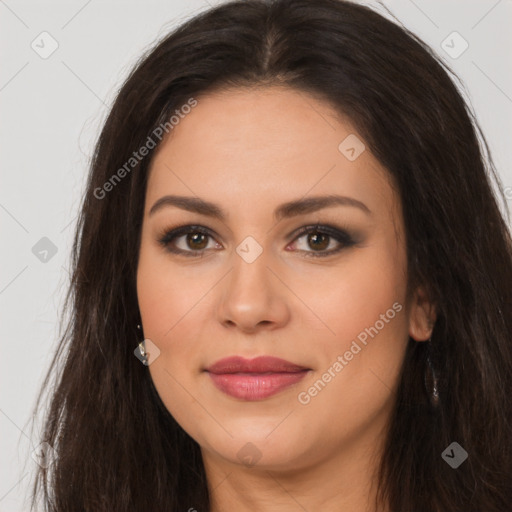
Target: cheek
{"points": [[352, 296], [168, 300], [363, 306], [167, 293], [172, 303]]}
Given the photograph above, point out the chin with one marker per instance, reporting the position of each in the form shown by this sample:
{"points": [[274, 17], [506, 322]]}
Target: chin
{"points": [[255, 448]]}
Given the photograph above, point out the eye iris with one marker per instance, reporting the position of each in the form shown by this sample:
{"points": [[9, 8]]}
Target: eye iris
{"points": [[192, 238], [315, 237]]}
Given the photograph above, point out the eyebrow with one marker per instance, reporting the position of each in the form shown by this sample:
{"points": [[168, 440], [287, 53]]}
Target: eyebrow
{"points": [[286, 210]]}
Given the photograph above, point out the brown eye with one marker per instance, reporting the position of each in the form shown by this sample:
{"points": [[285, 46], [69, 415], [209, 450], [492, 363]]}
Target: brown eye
{"points": [[194, 240], [318, 241], [319, 238], [197, 241]]}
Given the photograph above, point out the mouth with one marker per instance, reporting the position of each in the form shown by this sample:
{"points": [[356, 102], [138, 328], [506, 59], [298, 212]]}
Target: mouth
{"points": [[255, 379]]}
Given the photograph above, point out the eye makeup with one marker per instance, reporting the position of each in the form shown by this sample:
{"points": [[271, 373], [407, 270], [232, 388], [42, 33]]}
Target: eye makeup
{"points": [[315, 234]]}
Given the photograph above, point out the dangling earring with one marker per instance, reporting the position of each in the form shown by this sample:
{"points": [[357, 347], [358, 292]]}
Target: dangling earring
{"points": [[142, 348], [431, 381]]}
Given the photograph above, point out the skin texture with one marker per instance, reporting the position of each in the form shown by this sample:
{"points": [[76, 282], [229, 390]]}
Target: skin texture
{"points": [[249, 151]]}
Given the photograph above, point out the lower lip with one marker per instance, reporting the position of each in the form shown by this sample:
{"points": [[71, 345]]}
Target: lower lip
{"points": [[255, 386]]}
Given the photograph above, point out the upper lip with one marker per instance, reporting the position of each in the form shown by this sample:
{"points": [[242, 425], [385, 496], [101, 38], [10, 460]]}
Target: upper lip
{"points": [[261, 364]]}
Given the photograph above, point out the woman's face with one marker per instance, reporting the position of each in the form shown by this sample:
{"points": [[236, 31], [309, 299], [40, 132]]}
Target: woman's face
{"points": [[331, 302]]}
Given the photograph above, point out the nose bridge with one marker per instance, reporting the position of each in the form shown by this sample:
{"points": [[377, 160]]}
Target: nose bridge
{"points": [[252, 294], [250, 274]]}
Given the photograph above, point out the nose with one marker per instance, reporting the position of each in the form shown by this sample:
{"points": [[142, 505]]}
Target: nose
{"points": [[253, 297]]}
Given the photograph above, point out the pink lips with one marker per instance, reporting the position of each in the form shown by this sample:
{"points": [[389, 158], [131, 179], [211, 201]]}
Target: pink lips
{"points": [[254, 379]]}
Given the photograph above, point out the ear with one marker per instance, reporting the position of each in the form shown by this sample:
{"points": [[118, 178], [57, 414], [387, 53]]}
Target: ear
{"points": [[422, 316]]}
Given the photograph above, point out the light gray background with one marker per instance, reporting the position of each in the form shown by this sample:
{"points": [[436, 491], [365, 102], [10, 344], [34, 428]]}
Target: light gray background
{"points": [[52, 110]]}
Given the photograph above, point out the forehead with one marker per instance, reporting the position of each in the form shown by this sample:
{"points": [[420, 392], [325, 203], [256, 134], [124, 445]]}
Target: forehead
{"points": [[252, 145]]}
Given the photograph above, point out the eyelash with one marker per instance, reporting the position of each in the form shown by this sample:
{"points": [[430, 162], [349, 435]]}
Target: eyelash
{"points": [[340, 235]]}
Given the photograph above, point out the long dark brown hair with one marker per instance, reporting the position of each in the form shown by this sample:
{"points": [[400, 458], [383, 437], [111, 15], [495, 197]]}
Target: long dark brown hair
{"points": [[117, 446]]}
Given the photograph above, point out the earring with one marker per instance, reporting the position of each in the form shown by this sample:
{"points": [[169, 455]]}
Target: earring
{"points": [[431, 381], [142, 348]]}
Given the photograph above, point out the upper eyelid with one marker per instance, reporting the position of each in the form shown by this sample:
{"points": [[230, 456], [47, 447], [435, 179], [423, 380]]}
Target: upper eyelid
{"points": [[189, 228]]}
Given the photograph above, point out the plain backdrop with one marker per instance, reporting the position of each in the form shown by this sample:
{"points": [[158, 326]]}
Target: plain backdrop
{"points": [[52, 108]]}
